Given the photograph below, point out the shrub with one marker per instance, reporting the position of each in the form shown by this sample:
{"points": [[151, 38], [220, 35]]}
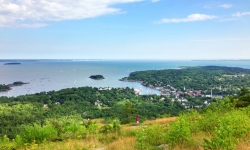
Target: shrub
{"points": [[6, 143], [150, 137], [74, 131], [113, 126], [92, 129], [36, 133], [164, 115], [209, 121], [179, 131], [231, 127], [106, 129], [57, 124]]}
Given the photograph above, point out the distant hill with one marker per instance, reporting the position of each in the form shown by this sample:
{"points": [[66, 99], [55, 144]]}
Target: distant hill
{"points": [[13, 63]]}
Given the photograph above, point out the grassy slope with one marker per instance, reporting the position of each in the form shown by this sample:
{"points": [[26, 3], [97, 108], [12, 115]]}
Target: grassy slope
{"points": [[127, 139], [199, 123]]}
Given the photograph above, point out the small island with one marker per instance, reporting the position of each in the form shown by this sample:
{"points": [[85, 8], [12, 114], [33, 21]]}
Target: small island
{"points": [[12, 63], [4, 87], [97, 77], [17, 83]]}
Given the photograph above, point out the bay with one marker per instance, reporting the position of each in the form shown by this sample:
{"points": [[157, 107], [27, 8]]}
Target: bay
{"points": [[47, 75]]}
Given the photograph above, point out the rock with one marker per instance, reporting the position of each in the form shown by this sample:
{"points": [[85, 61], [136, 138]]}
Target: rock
{"points": [[163, 146]]}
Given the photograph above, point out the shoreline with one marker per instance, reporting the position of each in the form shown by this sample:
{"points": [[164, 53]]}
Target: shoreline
{"points": [[141, 82], [61, 75]]}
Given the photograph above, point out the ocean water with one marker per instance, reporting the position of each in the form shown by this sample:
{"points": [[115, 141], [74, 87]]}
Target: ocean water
{"points": [[47, 75]]}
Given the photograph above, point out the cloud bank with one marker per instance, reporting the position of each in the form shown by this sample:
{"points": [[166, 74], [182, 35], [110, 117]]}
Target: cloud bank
{"points": [[153, 1], [215, 4], [33, 13], [189, 18], [218, 40], [240, 14], [226, 6]]}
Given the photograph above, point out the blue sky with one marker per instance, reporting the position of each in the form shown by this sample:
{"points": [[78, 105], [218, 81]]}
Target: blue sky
{"points": [[125, 29]]}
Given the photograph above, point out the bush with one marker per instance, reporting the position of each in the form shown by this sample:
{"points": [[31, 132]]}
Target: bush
{"points": [[113, 126], [179, 131], [150, 137], [57, 124], [231, 127], [74, 131], [92, 129], [36, 133], [164, 115], [209, 121], [6, 143]]}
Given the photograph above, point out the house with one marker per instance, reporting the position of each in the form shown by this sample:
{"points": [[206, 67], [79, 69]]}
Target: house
{"points": [[98, 103], [137, 91], [45, 106]]}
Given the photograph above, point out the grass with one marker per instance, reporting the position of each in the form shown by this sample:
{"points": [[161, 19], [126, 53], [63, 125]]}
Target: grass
{"points": [[126, 139], [71, 144], [243, 145], [124, 143], [99, 121], [162, 121]]}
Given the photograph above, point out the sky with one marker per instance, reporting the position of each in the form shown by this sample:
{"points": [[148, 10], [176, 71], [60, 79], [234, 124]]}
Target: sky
{"points": [[125, 29]]}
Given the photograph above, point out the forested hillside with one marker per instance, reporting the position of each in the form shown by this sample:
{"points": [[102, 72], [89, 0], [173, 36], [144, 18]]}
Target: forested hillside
{"points": [[222, 125], [87, 102], [223, 80]]}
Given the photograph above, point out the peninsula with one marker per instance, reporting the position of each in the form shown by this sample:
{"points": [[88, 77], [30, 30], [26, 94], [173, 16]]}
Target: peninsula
{"points": [[203, 79]]}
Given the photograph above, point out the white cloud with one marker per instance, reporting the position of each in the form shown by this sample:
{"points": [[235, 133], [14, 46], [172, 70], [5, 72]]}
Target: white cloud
{"points": [[219, 40], [153, 1], [229, 19], [32, 25], [240, 14], [226, 6], [215, 4], [15, 13], [190, 18]]}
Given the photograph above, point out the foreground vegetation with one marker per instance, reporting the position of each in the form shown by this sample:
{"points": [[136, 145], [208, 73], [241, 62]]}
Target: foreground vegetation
{"points": [[84, 102], [223, 125]]}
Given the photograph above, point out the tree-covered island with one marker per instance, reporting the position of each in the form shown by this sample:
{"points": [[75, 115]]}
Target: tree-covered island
{"points": [[4, 87], [97, 77], [18, 83], [12, 63], [206, 80]]}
